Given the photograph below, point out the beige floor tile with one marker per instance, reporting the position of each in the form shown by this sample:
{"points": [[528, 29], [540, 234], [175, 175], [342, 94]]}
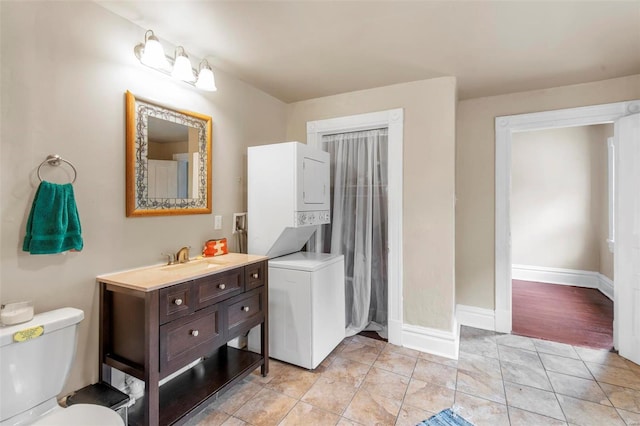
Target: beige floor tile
{"points": [[438, 359], [485, 346], [390, 348], [480, 365], [346, 370], [481, 386], [360, 352], [234, 421], [428, 396], [534, 400], [520, 417], [631, 419], [480, 412], [256, 376], [435, 373], [385, 383], [519, 356], [633, 366], [268, 407], [370, 382], [329, 394], [570, 366], [209, 418], [378, 344], [515, 341], [555, 348], [525, 375], [614, 375], [372, 409], [624, 398], [236, 397], [305, 414], [411, 416], [585, 413], [347, 422], [467, 333], [293, 381], [395, 362], [578, 387], [322, 367], [601, 356]]}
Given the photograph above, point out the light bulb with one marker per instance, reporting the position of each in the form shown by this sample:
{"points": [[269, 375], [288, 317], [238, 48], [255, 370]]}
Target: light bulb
{"points": [[182, 68], [206, 80], [153, 54]]}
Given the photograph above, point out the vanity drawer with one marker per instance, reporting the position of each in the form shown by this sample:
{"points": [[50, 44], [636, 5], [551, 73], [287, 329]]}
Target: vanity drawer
{"points": [[244, 312], [176, 301], [185, 339], [255, 275], [217, 287]]}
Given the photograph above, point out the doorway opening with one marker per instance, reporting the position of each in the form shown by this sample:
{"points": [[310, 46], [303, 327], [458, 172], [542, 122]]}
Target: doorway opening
{"points": [[358, 228], [505, 127], [391, 249], [562, 287]]}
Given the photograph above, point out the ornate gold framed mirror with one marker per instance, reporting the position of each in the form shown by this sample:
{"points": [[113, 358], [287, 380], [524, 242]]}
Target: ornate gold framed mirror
{"points": [[168, 156]]}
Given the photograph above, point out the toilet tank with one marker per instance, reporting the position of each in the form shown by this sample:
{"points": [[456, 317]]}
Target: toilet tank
{"points": [[35, 370]]}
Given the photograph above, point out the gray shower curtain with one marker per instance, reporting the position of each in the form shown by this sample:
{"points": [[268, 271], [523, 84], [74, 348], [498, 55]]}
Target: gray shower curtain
{"points": [[358, 228]]}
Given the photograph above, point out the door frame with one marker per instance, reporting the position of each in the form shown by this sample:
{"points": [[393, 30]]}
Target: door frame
{"points": [[393, 120], [505, 126]]}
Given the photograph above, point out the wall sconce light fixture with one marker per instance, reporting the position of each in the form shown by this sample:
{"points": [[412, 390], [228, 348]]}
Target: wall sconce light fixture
{"points": [[151, 54]]}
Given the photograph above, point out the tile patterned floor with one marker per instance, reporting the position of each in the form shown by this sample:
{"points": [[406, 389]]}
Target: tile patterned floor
{"points": [[497, 380]]}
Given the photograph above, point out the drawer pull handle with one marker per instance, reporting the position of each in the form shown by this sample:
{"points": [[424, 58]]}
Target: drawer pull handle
{"points": [[194, 333], [254, 275], [222, 286], [178, 302], [245, 308]]}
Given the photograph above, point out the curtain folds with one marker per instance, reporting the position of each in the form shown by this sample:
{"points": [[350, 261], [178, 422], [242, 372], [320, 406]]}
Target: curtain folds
{"points": [[358, 228]]}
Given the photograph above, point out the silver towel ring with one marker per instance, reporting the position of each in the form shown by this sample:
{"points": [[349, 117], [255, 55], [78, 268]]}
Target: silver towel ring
{"points": [[54, 160]]}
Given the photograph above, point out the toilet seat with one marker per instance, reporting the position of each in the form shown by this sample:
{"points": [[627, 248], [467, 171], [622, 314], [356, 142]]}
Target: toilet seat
{"points": [[81, 415]]}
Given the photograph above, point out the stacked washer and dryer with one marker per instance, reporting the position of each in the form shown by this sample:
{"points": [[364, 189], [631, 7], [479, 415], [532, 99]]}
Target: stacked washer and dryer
{"points": [[288, 198]]}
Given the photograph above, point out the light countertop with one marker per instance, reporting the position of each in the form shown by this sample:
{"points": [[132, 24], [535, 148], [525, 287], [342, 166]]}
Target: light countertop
{"points": [[155, 277]]}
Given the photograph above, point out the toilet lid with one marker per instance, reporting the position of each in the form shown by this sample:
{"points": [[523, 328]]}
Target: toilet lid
{"points": [[81, 415]]}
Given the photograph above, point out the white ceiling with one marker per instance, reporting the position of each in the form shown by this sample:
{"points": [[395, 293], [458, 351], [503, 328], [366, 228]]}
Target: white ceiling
{"points": [[306, 49]]}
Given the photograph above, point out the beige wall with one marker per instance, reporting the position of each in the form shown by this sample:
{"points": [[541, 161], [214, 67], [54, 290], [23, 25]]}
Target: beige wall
{"points": [[428, 208], [475, 168], [558, 190], [65, 68]]}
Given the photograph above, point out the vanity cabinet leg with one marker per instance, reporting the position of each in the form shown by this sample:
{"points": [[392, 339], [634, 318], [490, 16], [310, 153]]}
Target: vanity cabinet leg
{"points": [[264, 332], [151, 361], [104, 371]]}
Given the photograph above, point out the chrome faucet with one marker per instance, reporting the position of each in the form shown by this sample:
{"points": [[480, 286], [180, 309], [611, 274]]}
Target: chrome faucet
{"points": [[182, 256]]}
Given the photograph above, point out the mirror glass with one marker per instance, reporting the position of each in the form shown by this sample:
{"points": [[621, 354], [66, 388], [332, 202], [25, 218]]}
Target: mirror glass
{"points": [[168, 160]]}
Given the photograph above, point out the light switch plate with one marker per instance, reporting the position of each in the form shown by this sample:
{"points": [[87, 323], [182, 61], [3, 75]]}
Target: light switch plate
{"points": [[217, 224]]}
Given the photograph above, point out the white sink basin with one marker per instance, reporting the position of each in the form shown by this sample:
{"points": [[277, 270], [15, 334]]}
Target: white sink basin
{"points": [[194, 265]]}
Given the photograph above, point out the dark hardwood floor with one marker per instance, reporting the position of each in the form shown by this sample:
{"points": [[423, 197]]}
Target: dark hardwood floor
{"points": [[574, 315], [372, 335]]}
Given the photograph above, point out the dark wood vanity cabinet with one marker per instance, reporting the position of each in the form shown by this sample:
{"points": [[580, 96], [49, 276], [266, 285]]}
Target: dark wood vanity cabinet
{"points": [[153, 331]]}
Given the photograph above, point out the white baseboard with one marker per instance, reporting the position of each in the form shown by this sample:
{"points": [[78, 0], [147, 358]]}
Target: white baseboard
{"points": [[605, 285], [476, 317], [395, 332], [503, 321], [574, 277], [430, 340]]}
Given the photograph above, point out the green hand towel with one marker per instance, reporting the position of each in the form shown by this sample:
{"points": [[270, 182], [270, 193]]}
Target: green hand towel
{"points": [[53, 225]]}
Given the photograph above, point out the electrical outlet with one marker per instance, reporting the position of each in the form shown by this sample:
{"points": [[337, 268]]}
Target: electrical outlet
{"points": [[217, 224]]}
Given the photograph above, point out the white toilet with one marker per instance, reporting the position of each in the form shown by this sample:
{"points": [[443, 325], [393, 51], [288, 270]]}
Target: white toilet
{"points": [[33, 372]]}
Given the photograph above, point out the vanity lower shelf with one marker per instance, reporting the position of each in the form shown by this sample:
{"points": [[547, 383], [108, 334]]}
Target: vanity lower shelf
{"points": [[199, 385]]}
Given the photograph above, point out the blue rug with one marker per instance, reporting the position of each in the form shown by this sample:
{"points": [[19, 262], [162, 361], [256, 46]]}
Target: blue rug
{"points": [[445, 418]]}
